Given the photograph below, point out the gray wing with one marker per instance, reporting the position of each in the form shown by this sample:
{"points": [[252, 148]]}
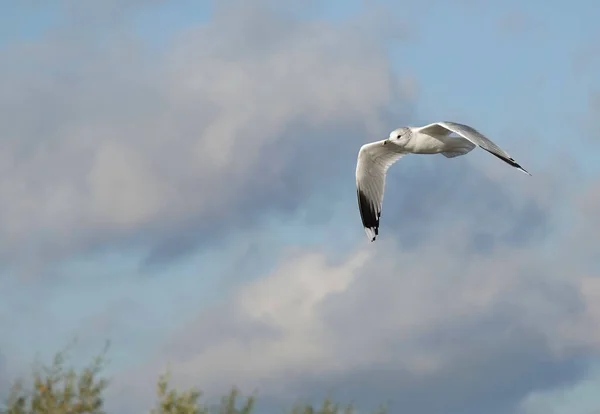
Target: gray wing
{"points": [[374, 159], [476, 138]]}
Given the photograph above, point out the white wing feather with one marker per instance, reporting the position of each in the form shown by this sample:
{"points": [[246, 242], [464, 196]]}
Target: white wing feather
{"points": [[475, 137], [374, 159]]}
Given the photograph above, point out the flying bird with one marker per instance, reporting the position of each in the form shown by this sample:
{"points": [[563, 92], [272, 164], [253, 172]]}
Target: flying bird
{"points": [[375, 158]]}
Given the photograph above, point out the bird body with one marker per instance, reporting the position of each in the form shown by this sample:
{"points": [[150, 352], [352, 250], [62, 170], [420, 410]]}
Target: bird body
{"points": [[418, 142], [375, 158]]}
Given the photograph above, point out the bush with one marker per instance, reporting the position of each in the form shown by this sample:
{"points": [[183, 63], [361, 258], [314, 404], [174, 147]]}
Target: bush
{"points": [[59, 390]]}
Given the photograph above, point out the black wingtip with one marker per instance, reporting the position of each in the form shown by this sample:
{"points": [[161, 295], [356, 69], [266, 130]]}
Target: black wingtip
{"points": [[510, 161], [516, 165], [524, 170], [368, 215]]}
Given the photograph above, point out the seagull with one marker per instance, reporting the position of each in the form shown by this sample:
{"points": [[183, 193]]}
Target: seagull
{"points": [[375, 158]]}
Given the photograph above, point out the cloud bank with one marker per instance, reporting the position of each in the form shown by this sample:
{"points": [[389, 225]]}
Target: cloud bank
{"points": [[115, 145], [481, 290]]}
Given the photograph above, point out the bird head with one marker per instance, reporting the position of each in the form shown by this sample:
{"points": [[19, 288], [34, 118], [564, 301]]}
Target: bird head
{"points": [[399, 137]]}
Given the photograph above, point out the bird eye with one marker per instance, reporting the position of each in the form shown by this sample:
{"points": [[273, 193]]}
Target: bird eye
{"points": [[398, 136]]}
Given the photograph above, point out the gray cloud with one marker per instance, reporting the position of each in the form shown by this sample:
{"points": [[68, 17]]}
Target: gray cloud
{"points": [[116, 143], [489, 348], [463, 299], [4, 380], [494, 378], [430, 329], [584, 239]]}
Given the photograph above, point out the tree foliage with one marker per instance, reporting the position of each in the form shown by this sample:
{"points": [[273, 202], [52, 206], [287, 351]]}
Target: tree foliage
{"points": [[56, 389]]}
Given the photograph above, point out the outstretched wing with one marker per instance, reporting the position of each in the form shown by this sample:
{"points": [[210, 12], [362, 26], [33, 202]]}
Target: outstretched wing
{"points": [[475, 137], [374, 159]]}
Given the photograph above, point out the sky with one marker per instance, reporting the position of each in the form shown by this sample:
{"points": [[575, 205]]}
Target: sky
{"points": [[177, 177]]}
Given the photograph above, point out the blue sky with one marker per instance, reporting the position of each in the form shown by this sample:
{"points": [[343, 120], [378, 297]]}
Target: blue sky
{"points": [[166, 163]]}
